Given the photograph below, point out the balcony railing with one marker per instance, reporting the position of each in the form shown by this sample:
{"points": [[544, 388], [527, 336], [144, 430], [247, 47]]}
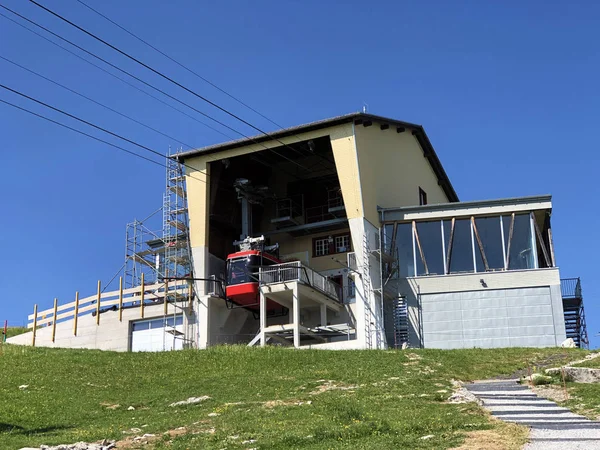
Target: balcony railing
{"points": [[296, 271], [570, 288]]}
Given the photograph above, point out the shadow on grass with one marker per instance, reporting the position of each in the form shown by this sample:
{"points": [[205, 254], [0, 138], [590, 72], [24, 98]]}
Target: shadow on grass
{"points": [[17, 429]]}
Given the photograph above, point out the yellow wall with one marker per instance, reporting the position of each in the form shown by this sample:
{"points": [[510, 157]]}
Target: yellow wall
{"points": [[392, 167], [342, 142], [197, 186]]}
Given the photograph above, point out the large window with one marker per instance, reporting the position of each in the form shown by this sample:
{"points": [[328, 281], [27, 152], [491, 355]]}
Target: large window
{"points": [[488, 251], [429, 246], [521, 251], [466, 245]]}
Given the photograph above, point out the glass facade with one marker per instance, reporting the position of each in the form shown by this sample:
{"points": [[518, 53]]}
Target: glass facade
{"points": [[464, 245]]}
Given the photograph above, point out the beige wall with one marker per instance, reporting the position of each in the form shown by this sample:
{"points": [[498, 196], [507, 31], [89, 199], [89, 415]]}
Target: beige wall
{"points": [[392, 168], [288, 245]]}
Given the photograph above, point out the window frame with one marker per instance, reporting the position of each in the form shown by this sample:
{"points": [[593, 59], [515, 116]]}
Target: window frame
{"points": [[331, 246], [422, 197]]}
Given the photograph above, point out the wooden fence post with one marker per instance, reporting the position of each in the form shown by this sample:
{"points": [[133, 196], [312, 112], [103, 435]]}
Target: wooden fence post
{"points": [[98, 305], [34, 324], [166, 291], [120, 299], [54, 319], [76, 313], [142, 298]]}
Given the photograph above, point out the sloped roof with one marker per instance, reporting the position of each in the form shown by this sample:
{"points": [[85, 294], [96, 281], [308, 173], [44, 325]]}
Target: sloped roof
{"points": [[358, 118]]}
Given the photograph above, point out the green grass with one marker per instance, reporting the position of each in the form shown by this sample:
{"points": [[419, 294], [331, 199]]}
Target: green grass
{"points": [[398, 397], [13, 331]]}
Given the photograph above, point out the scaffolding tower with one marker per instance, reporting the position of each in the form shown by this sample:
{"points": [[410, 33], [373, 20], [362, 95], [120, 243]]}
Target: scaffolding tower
{"points": [[166, 254]]}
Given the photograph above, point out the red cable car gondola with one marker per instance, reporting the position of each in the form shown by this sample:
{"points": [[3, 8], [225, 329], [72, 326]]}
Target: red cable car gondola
{"points": [[242, 286]]}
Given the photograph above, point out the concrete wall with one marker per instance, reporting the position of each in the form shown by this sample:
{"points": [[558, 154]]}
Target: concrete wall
{"points": [[392, 168], [111, 334], [516, 309]]}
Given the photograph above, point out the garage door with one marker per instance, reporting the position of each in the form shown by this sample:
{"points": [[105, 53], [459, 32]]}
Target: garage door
{"points": [[156, 335]]}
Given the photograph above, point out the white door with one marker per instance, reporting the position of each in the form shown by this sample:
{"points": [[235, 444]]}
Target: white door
{"points": [[155, 335]]}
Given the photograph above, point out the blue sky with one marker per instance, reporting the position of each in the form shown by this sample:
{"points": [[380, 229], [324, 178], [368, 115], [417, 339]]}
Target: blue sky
{"points": [[507, 92]]}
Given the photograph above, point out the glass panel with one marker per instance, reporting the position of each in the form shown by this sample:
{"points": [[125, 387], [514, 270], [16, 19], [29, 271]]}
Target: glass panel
{"points": [[156, 323], [179, 320], [404, 247], [521, 248], [491, 239], [138, 326], [388, 231], [430, 236], [462, 252]]}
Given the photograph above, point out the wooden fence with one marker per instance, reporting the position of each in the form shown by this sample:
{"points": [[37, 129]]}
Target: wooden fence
{"points": [[136, 297]]}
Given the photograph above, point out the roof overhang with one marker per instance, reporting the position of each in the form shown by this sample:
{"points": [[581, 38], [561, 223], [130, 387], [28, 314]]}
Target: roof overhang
{"points": [[357, 118], [466, 209]]}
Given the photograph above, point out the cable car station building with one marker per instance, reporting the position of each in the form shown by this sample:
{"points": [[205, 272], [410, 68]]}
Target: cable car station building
{"points": [[340, 234], [376, 250]]}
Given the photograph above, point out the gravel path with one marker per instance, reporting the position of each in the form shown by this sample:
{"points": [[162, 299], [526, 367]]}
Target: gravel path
{"points": [[552, 427]]}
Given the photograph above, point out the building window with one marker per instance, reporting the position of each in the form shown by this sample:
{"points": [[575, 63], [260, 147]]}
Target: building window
{"points": [[328, 245], [322, 247], [422, 197], [342, 243]]}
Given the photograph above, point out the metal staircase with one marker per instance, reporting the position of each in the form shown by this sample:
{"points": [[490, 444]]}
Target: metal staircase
{"points": [[367, 291]]}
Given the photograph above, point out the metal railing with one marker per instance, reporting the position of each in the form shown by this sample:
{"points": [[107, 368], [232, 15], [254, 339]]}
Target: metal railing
{"points": [[570, 287], [334, 198], [288, 207], [296, 271]]}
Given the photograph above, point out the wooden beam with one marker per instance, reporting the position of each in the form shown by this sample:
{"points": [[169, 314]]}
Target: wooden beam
{"points": [[384, 126], [120, 299], [541, 240], [400, 129], [54, 320], [510, 236], [76, 313], [34, 325], [420, 249], [98, 304], [367, 123], [551, 242], [358, 122], [480, 244], [449, 249], [142, 289], [166, 302]]}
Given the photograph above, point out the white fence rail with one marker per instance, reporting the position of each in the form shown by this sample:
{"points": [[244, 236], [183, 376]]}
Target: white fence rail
{"points": [[296, 271], [136, 297]]}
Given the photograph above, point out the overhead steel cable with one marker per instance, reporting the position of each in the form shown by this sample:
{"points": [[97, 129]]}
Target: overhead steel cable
{"points": [[180, 64], [155, 88], [133, 86], [94, 101], [81, 132], [106, 71], [223, 91], [166, 77], [72, 116]]}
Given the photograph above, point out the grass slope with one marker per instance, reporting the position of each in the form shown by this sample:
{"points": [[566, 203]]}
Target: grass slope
{"points": [[280, 398], [13, 331]]}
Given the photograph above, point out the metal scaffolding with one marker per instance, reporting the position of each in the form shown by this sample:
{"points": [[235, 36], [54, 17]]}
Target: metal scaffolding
{"points": [[158, 254]]}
